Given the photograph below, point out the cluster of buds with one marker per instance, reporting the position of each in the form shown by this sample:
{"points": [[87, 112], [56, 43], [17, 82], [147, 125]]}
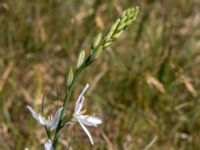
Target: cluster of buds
{"points": [[114, 33]]}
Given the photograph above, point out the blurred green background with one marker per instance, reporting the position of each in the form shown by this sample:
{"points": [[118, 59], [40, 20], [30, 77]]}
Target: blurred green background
{"points": [[145, 86]]}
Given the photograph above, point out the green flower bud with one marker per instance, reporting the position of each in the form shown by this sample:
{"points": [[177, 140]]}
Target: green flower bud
{"points": [[81, 58], [97, 41], [96, 52], [70, 77]]}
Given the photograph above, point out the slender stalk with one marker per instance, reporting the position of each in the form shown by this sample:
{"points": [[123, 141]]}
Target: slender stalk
{"points": [[98, 45], [48, 133], [67, 98]]}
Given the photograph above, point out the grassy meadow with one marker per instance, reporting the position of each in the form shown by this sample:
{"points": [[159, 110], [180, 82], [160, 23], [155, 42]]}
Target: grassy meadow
{"points": [[145, 87]]}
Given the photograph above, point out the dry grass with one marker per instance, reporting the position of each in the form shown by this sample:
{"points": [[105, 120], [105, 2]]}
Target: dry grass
{"points": [[146, 86]]}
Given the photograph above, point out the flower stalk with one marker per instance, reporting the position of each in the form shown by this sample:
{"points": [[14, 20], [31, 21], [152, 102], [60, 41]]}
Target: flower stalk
{"points": [[120, 25], [100, 42]]}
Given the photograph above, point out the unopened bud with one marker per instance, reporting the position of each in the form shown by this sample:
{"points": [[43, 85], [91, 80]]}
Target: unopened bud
{"points": [[81, 58], [97, 41], [70, 77], [96, 52]]}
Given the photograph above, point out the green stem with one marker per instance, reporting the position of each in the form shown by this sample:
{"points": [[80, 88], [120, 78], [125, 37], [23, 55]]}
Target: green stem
{"points": [[121, 24], [68, 96], [48, 133]]}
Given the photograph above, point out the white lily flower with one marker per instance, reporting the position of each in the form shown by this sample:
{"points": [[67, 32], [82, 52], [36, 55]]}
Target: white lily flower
{"points": [[48, 145], [83, 119], [51, 123]]}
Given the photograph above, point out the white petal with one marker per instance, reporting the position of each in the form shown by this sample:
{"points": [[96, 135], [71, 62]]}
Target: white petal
{"points": [[39, 118], [89, 121], [79, 105], [79, 102], [87, 132], [94, 120], [54, 121], [48, 145]]}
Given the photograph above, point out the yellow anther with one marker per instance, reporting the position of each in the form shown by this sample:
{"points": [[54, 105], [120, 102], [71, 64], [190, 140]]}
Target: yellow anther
{"points": [[84, 111]]}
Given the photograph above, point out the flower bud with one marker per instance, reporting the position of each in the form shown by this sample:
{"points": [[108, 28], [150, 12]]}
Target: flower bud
{"points": [[81, 58], [96, 52], [96, 41], [70, 77]]}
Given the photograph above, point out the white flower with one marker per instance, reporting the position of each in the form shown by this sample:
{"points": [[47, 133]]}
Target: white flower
{"points": [[51, 123], [48, 145], [83, 119]]}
